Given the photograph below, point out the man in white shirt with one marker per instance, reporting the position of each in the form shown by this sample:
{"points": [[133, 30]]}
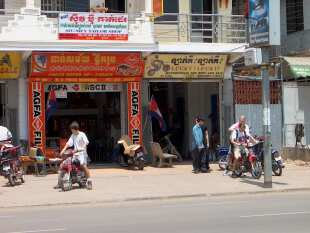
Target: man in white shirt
{"points": [[79, 142], [5, 134]]}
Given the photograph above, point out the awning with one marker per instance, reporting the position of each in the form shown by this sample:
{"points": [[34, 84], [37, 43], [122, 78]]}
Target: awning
{"points": [[298, 67]]}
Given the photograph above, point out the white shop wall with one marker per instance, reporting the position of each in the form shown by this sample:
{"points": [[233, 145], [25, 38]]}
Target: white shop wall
{"points": [[296, 111]]}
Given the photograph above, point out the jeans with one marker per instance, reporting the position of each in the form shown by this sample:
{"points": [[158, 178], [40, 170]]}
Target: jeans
{"points": [[197, 155]]}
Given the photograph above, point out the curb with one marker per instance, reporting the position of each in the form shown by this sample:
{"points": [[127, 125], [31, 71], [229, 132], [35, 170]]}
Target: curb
{"points": [[160, 198]]}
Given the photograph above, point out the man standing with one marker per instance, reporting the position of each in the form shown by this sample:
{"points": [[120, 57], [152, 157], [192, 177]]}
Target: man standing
{"points": [[197, 144]]}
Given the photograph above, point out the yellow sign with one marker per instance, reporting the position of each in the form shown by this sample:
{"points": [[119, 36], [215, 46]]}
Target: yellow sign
{"points": [[10, 63], [185, 66]]}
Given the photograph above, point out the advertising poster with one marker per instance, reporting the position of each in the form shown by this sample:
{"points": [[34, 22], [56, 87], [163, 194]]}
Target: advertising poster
{"points": [[259, 22], [135, 112], [92, 26], [10, 64], [36, 115]]}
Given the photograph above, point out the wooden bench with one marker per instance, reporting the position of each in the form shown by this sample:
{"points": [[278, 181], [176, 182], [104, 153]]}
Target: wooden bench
{"points": [[129, 147], [157, 153]]}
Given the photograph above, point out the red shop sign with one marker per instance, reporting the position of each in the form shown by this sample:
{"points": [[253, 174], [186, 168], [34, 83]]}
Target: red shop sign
{"points": [[77, 64]]}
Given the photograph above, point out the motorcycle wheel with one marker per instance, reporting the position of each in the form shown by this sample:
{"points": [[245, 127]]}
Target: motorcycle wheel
{"points": [[89, 185], [277, 169], [223, 163], [141, 164], [11, 180], [22, 179], [66, 183], [238, 172], [257, 170]]}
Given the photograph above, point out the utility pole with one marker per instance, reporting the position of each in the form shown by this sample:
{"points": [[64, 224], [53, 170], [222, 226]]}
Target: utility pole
{"points": [[266, 118]]}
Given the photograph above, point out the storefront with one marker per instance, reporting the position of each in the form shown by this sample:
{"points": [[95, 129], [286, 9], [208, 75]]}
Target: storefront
{"points": [[10, 70], [184, 86], [102, 91]]}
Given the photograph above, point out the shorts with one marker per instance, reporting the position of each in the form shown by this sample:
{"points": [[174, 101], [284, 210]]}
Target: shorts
{"points": [[237, 152], [81, 158]]}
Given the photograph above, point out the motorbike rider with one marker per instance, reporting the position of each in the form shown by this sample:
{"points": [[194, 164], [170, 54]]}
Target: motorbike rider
{"points": [[239, 140], [235, 126], [79, 142]]}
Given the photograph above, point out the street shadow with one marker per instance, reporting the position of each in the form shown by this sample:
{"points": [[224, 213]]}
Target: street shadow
{"points": [[259, 183]]}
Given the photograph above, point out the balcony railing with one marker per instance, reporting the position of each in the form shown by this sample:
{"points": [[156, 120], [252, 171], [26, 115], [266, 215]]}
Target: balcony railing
{"points": [[208, 28], [203, 28]]}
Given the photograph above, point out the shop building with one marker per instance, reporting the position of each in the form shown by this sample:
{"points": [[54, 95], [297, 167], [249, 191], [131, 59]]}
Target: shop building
{"points": [[209, 42], [101, 91]]}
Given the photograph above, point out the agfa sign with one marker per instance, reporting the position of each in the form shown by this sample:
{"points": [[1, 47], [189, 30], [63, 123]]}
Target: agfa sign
{"points": [[264, 22]]}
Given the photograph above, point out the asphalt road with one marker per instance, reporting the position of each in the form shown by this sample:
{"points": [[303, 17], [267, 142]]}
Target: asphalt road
{"points": [[272, 213]]}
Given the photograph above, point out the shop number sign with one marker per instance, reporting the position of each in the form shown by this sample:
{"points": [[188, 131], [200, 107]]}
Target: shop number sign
{"points": [[92, 26], [134, 112]]}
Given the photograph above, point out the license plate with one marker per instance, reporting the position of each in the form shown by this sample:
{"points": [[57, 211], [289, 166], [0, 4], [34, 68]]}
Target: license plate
{"points": [[278, 159], [140, 154]]}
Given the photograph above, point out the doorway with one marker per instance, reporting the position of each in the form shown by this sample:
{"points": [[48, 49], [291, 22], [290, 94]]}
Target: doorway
{"points": [[179, 104], [99, 116]]}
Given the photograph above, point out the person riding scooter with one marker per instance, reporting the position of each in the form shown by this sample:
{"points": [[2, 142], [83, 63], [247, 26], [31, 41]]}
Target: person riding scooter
{"points": [[78, 141], [239, 140]]}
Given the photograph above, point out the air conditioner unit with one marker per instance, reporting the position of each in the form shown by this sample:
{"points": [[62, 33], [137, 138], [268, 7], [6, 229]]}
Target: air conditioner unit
{"points": [[253, 56]]}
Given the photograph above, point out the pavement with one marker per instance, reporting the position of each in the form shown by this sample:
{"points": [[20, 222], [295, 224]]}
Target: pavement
{"points": [[268, 213], [112, 185]]}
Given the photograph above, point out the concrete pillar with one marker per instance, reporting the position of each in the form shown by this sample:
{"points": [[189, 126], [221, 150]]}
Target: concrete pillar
{"points": [[184, 10], [22, 120], [149, 7]]}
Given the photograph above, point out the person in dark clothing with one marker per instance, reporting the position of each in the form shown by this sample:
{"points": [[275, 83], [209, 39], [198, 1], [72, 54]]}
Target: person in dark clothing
{"points": [[197, 144], [205, 159]]}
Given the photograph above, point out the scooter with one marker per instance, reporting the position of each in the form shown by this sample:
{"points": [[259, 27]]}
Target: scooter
{"points": [[133, 154], [72, 173], [10, 165]]}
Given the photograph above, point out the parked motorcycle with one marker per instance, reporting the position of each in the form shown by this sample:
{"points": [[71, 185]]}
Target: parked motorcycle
{"points": [[248, 163], [10, 165], [72, 173], [133, 154], [276, 159]]}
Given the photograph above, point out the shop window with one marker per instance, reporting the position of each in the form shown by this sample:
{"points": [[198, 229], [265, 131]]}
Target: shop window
{"points": [[115, 6], [171, 9], [77, 6], [294, 16], [63, 5], [239, 7]]}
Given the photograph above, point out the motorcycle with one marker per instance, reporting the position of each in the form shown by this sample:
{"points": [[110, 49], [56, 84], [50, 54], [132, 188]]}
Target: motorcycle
{"points": [[276, 159], [10, 165], [72, 173], [133, 154], [248, 163]]}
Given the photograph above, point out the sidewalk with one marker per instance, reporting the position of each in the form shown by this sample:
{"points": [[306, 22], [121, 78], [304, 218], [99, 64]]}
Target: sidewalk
{"points": [[117, 185]]}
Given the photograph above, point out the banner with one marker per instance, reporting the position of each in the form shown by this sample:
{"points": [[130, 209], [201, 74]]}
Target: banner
{"points": [[92, 26], [36, 115], [90, 64], [185, 66], [158, 8], [10, 64], [135, 112], [82, 87]]}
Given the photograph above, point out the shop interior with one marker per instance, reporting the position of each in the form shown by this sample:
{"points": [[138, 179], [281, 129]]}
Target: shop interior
{"points": [[99, 116], [180, 103]]}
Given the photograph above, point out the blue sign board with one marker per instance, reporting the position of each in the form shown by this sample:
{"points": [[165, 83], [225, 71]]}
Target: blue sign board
{"points": [[259, 22]]}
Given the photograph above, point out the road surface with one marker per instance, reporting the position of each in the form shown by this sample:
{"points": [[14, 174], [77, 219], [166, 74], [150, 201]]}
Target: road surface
{"points": [[272, 213]]}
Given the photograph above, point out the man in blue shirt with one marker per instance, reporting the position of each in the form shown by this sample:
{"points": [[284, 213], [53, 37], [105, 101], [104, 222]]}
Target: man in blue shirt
{"points": [[197, 144]]}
